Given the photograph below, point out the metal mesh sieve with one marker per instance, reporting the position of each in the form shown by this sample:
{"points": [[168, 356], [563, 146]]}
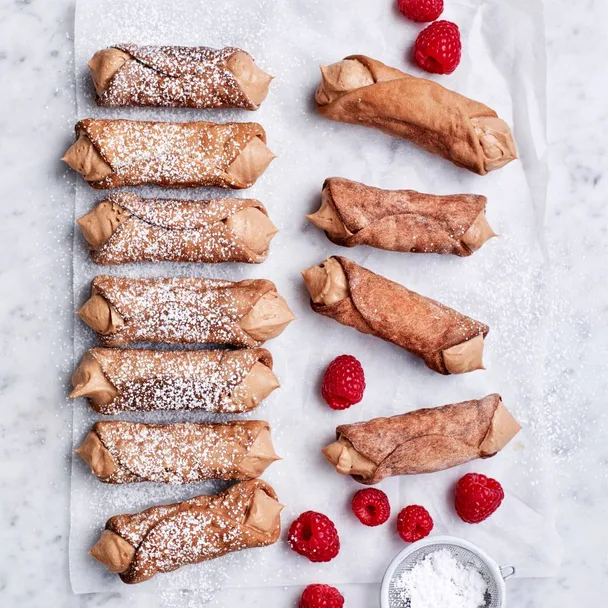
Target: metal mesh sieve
{"points": [[466, 553]]}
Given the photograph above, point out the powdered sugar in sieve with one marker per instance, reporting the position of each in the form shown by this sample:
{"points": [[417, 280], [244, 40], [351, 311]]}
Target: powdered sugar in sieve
{"points": [[483, 577]]}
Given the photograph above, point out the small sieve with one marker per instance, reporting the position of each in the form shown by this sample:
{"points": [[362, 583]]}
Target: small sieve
{"points": [[466, 553]]}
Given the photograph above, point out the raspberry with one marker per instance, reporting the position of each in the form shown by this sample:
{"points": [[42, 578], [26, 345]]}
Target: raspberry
{"points": [[477, 497], [314, 536], [438, 48], [421, 10], [343, 383], [371, 507], [414, 523], [321, 596]]}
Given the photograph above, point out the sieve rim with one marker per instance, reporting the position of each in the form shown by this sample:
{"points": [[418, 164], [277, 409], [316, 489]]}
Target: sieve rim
{"points": [[439, 540]]}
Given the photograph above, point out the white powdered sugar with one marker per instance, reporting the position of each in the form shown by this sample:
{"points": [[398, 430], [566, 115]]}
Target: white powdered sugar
{"points": [[440, 580]]}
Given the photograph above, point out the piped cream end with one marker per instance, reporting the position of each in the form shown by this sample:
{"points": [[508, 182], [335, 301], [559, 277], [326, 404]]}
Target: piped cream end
{"points": [[254, 81], [258, 384], [496, 141], [84, 157], [97, 456], [340, 78], [465, 357], [264, 513], [89, 381], [100, 315], [502, 429], [327, 218], [267, 319], [253, 228], [343, 456], [113, 551], [251, 162], [326, 283], [101, 223], [260, 455], [478, 233], [103, 65]]}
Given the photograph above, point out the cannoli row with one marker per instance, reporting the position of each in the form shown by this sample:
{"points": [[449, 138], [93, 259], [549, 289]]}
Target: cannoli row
{"points": [[167, 537], [126, 452], [422, 441], [177, 77], [217, 381], [447, 341], [126, 228], [401, 220], [114, 153], [124, 310], [361, 90]]}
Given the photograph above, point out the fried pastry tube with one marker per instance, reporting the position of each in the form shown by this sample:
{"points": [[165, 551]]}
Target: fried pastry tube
{"points": [[446, 340], [126, 228], [127, 452], [422, 441], [114, 153], [177, 77], [216, 381], [354, 214], [361, 90], [167, 537], [124, 310]]}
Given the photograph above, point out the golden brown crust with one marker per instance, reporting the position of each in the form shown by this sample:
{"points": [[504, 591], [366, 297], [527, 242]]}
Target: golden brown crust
{"points": [[217, 381], [176, 453], [431, 439], [419, 110], [375, 305], [403, 220], [176, 155], [177, 77], [176, 230], [167, 537]]}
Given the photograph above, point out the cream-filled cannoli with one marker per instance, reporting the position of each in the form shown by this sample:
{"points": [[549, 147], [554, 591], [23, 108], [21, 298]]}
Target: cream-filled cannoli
{"points": [[354, 214], [361, 90], [113, 153], [127, 228], [422, 441], [446, 340], [177, 77], [217, 381], [167, 537], [124, 310], [128, 452]]}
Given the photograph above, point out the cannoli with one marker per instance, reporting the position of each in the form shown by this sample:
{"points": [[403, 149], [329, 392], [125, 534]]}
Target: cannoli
{"points": [[217, 381], [166, 537], [361, 90], [401, 220], [113, 153], [127, 452], [124, 310], [422, 441], [177, 77], [127, 228], [446, 340]]}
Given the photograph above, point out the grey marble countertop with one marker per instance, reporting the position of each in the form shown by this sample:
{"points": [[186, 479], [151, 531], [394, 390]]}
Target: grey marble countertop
{"points": [[36, 118]]}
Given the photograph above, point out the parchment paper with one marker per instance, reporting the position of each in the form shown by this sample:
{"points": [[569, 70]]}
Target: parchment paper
{"points": [[503, 65]]}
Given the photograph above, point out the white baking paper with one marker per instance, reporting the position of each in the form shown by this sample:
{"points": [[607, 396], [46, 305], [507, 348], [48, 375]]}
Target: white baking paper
{"points": [[502, 285]]}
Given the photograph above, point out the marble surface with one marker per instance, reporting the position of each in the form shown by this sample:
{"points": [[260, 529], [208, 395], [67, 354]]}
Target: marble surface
{"points": [[36, 117]]}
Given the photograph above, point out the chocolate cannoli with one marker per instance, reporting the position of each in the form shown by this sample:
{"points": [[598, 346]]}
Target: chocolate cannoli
{"points": [[127, 452], [177, 77], [217, 381], [184, 310], [361, 90], [126, 228], [446, 340], [114, 153], [422, 441], [167, 537], [354, 214]]}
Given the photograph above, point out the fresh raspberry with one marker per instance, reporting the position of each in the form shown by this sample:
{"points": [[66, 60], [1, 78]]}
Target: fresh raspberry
{"points": [[343, 383], [371, 507], [321, 596], [438, 48], [421, 10], [414, 523], [477, 497], [314, 536]]}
